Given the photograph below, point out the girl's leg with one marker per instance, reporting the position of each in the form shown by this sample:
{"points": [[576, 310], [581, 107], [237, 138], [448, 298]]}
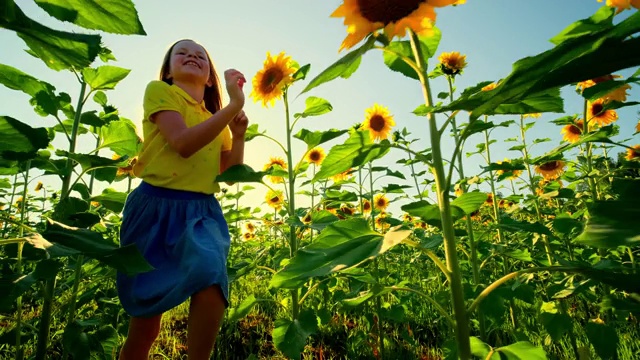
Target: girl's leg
{"points": [[142, 333], [205, 316]]}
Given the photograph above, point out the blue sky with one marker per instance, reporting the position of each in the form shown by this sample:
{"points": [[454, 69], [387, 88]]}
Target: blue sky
{"points": [[492, 33]]}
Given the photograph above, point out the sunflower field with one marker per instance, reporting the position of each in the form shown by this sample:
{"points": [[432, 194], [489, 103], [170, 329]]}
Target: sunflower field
{"points": [[347, 257]]}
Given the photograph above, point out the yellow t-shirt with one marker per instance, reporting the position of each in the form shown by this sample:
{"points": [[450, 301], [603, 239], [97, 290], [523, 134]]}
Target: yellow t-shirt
{"points": [[158, 164]]}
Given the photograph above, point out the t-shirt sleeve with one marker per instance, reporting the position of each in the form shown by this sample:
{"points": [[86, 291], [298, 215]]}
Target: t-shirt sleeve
{"points": [[159, 97], [226, 139]]}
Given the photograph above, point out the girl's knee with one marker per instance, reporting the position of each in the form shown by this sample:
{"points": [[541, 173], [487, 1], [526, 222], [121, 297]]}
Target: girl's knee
{"points": [[145, 329]]}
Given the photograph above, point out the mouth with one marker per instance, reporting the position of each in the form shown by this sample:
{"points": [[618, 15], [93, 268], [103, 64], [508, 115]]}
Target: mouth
{"points": [[192, 63]]}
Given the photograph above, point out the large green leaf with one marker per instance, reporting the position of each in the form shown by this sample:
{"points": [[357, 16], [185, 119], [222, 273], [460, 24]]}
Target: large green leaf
{"points": [[554, 321], [614, 223], [586, 55], [15, 79], [111, 199], [19, 141], [59, 50], [241, 310], [113, 16], [315, 138], [357, 150], [341, 245], [60, 240], [470, 202], [601, 20], [76, 341], [604, 339], [241, 173], [88, 161], [510, 224], [11, 289], [105, 77], [344, 67], [522, 350], [120, 136], [291, 336]]}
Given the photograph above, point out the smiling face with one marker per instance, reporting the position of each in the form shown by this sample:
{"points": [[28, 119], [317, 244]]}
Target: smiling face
{"points": [[187, 62]]}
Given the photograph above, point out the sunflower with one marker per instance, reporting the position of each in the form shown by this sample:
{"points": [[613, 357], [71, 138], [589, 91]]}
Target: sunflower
{"points": [[490, 87], [347, 209], [633, 153], [275, 76], [248, 236], [457, 190], [452, 63], [622, 5], [249, 227], [551, 170], [273, 161], [489, 200], [378, 121], [306, 219], [95, 204], [618, 94], [407, 218], [380, 202], [514, 173], [572, 132], [125, 170], [316, 156], [598, 114], [532, 115], [275, 199], [638, 126], [395, 16], [381, 223], [343, 176], [19, 201], [366, 206], [38, 186]]}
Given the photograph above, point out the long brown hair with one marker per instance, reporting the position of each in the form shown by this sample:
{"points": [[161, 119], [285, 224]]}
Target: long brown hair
{"points": [[212, 98]]}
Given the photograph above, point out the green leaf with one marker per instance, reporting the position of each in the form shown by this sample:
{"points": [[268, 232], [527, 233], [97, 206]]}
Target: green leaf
{"points": [[242, 310], [393, 58], [11, 289], [315, 138], [42, 92], [321, 219], [59, 50], [522, 350], [429, 44], [479, 348], [241, 173], [470, 202], [111, 199], [112, 16], [105, 77], [604, 339], [341, 245], [564, 224], [613, 223], [344, 67], [301, 73], [376, 290], [252, 132], [18, 139], [554, 321], [510, 224], [291, 336], [89, 162], [601, 20], [315, 106], [357, 150], [62, 240], [120, 136], [76, 341]]}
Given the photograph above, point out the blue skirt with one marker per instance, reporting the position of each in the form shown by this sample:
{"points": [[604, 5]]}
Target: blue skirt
{"points": [[184, 236]]}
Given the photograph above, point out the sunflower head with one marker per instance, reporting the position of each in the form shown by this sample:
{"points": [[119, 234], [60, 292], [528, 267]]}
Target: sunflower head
{"points": [[380, 202], [378, 121], [407, 218], [551, 170], [638, 126], [275, 161], [489, 200], [572, 132], [381, 223], [343, 176], [395, 17], [249, 227], [38, 186], [514, 173], [248, 236], [599, 114], [275, 199], [633, 153], [457, 190], [306, 219], [316, 156], [621, 5], [452, 63], [366, 206], [270, 82], [347, 209]]}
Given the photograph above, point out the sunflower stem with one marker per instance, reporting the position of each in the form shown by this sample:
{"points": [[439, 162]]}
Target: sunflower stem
{"points": [[455, 285]]}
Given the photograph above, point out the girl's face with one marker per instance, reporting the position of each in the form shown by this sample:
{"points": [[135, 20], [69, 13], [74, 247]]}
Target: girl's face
{"points": [[189, 63]]}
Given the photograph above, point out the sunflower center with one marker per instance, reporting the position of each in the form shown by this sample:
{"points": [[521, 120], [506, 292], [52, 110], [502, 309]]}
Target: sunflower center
{"points": [[271, 79], [552, 165], [275, 199], [575, 129], [387, 11], [377, 123], [314, 156], [381, 203], [596, 109]]}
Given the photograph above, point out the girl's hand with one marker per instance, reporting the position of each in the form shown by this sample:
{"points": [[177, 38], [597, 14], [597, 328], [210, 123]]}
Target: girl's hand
{"points": [[238, 125], [234, 81]]}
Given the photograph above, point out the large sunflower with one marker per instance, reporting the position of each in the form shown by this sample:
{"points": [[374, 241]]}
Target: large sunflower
{"points": [[452, 63], [363, 17], [269, 83], [273, 162], [598, 114], [572, 132], [633, 153], [618, 94], [378, 121], [316, 156], [621, 5], [551, 170], [275, 199]]}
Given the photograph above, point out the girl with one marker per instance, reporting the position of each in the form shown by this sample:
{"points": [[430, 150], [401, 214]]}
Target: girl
{"points": [[173, 217]]}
